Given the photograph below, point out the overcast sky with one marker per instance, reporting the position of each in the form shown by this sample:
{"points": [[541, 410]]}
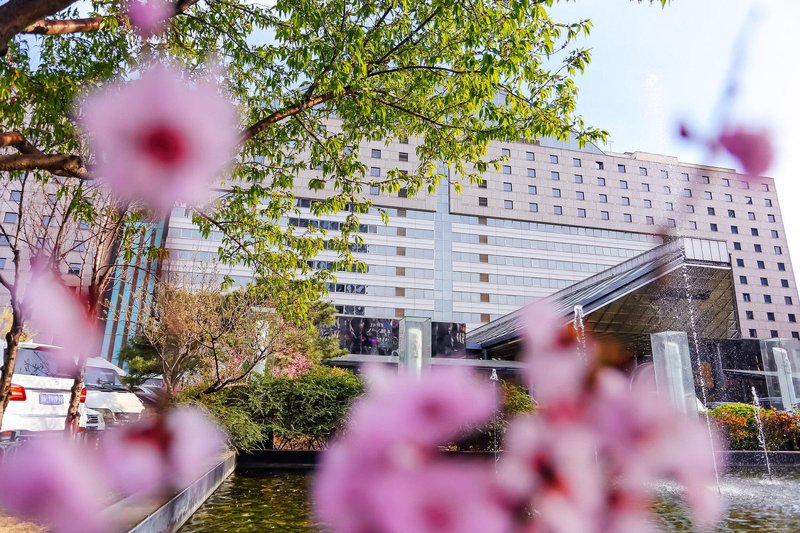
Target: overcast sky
{"points": [[653, 67]]}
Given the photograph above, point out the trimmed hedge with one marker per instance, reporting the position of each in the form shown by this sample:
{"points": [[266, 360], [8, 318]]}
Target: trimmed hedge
{"points": [[737, 422]]}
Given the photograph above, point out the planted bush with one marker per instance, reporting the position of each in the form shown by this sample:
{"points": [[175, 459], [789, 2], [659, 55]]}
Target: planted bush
{"points": [[738, 423]]}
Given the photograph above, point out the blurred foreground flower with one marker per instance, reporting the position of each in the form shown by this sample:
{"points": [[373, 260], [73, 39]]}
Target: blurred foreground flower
{"points": [[66, 483], [753, 149], [586, 462], [158, 140], [52, 480], [149, 17], [58, 312]]}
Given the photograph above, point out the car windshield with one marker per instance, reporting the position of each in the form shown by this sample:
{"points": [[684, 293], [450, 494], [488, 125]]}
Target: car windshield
{"points": [[103, 378], [50, 362]]}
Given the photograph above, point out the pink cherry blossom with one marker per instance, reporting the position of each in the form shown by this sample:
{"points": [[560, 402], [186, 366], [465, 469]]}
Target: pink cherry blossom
{"points": [[159, 140], [149, 17], [58, 314], [753, 148], [52, 480], [169, 451]]}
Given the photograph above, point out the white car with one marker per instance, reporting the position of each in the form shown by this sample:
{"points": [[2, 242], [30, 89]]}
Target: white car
{"points": [[107, 395], [40, 389]]}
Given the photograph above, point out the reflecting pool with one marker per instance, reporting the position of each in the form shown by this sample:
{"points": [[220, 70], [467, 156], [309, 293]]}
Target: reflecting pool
{"points": [[279, 502]]}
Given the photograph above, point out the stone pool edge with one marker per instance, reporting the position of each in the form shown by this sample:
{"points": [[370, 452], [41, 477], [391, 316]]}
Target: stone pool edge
{"points": [[167, 516]]}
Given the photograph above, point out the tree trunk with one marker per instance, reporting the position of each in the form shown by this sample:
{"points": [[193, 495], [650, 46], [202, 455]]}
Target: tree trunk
{"points": [[72, 424], [9, 362]]}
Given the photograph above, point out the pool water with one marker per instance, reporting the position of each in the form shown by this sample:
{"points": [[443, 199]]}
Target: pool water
{"points": [[279, 502]]}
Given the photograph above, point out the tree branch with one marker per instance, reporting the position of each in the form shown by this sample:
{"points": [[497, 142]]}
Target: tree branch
{"points": [[60, 164], [16, 15]]}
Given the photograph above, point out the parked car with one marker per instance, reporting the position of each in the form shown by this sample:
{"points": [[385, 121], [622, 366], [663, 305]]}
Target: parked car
{"points": [[107, 395], [40, 390], [151, 392]]}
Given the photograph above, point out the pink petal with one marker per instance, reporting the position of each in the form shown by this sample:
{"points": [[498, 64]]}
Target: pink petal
{"points": [[151, 16], [753, 148], [51, 480]]}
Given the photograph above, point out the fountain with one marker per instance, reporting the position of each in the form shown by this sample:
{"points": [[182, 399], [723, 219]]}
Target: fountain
{"points": [[415, 345], [495, 448], [761, 438], [580, 330], [673, 369], [781, 360]]}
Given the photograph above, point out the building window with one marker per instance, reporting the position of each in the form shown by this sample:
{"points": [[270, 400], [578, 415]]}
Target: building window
{"points": [[787, 300], [751, 215], [748, 200], [735, 230], [757, 248], [482, 201], [711, 211], [668, 206], [402, 193], [785, 283], [705, 180], [664, 174], [740, 262], [15, 196], [576, 162], [768, 202], [764, 282], [692, 224], [728, 197], [403, 156], [627, 217], [557, 210], [532, 189], [767, 299], [623, 184], [578, 178], [689, 208], [581, 213], [754, 232], [507, 186], [626, 200], [749, 315], [744, 185], [601, 182], [753, 334], [375, 172], [760, 265], [529, 156], [556, 193], [687, 193], [782, 267], [731, 213], [647, 203], [603, 198], [743, 280], [598, 165], [483, 184], [642, 171], [505, 152], [621, 168], [554, 159], [650, 221], [579, 195], [667, 189], [765, 187], [374, 190], [10, 218], [604, 215], [792, 317], [770, 316], [745, 296], [737, 246], [508, 204], [376, 154], [531, 172], [646, 187], [707, 195], [778, 250], [554, 175], [770, 218], [773, 233], [671, 223], [74, 269], [506, 169], [533, 208]]}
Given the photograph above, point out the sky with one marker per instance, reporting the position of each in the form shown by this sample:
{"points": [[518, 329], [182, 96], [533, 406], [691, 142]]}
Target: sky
{"points": [[653, 67]]}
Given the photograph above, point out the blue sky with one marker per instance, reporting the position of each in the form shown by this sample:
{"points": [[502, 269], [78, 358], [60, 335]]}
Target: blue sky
{"points": [[653, 67]]}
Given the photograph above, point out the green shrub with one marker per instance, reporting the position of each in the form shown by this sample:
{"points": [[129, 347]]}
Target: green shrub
{"points": [[230, 409], [737, 423], [514, 400]]}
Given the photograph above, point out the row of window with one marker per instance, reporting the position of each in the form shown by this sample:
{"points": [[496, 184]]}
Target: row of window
{"points": [[749, 315], [622, 168], [376, 153], [72, 268], [516, 281], [761, 265], [773, 334], [767, 298], [527, 262], [511, 242], [764, 282]]}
